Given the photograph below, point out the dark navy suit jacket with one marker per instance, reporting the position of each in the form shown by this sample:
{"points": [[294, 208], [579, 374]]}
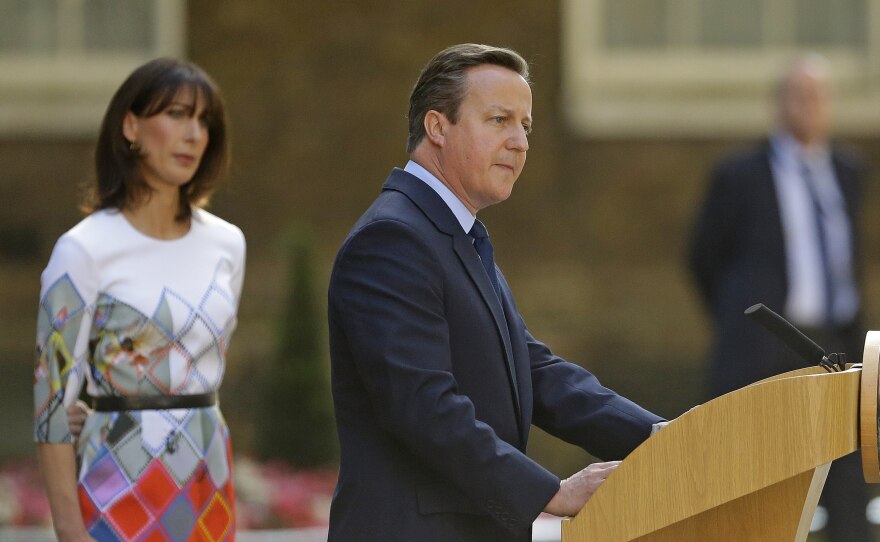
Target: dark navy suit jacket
{"points": [[436, 383], [737, 257]]}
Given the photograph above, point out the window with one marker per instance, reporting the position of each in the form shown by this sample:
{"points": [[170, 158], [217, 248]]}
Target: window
{"points": [[61, 60], [707, 67]]}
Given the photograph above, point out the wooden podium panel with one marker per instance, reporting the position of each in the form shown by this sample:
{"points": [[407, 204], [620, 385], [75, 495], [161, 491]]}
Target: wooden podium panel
{"points": [[748, 465], [781, 500]]}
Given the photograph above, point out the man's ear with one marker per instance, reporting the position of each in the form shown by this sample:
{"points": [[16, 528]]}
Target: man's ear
{"points": [[436, 125], [130, 127]]}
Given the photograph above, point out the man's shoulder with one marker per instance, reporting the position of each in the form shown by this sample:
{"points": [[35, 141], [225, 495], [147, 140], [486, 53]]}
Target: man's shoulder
{"points": [[391, 222], [392, 206], [848, 157], [746, 157], [745, 165], [410, 202], [392, 234]]}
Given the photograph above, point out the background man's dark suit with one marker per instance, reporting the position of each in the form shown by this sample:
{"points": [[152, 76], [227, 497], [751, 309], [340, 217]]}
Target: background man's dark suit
{"points": [[738, 258], [436, 383]]}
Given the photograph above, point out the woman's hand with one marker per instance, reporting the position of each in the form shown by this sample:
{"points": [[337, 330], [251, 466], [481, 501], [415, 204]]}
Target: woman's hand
{"points": [[77, 414]]}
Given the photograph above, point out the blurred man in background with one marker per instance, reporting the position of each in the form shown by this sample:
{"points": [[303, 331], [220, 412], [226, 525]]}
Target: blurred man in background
{"points": [[779, 226]]}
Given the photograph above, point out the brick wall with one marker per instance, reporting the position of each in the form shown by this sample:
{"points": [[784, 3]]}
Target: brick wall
{"points": [[592, 239]]}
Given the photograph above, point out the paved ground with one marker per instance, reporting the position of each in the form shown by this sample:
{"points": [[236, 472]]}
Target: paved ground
{"points": [[297, 535], [545, 530]]}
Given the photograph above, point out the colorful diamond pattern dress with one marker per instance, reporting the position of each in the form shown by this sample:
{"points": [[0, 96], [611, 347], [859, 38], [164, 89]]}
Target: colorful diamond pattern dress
{"points": [[124, 314]]}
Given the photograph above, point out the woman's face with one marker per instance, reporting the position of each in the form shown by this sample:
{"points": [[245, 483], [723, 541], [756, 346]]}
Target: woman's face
{"points": [[172, 142]]}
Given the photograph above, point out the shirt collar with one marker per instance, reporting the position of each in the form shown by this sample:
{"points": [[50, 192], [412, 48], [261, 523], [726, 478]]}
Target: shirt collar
{"points": [[465, 218], [789, 151]]}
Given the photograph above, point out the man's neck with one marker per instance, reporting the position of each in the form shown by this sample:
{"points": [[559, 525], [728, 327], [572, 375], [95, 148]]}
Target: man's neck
{"points": [[812, 148], [431, 163], [464, 216]]}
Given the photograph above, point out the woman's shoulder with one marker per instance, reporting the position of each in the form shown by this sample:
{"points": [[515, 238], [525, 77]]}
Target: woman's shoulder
{"points": [[218, 227], [89, 232], [94, 224], [79, 252]]}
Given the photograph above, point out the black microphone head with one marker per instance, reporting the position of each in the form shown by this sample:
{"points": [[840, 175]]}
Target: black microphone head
{"points": [[808, 350], [755, 308]]}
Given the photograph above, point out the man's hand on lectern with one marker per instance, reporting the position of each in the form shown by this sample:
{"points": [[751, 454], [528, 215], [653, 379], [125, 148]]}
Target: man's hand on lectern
{"points": [[575, 491]]}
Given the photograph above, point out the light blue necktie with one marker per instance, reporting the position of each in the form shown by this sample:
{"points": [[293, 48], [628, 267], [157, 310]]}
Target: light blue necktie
{"points": [[822, 239]]}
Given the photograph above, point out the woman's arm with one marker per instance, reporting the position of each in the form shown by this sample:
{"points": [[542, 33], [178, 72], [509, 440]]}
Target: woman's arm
{"points": [[58, 468]]}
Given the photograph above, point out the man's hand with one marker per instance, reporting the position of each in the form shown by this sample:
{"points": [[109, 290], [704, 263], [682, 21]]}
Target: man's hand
{"points": [[76, 417], [575, 491]]}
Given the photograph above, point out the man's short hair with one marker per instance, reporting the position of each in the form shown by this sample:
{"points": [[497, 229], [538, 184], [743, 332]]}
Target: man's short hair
{"points": [[442, 84]]}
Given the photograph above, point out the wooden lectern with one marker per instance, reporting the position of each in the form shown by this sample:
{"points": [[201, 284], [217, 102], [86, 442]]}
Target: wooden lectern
{"points": [[747, 466]]}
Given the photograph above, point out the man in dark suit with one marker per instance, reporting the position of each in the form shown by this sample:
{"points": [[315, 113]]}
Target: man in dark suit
{"points": [[779, 227], [436, 379]]}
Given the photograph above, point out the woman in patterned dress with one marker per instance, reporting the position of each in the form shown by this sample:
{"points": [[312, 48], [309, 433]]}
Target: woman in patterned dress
{"points": [[137, 304]]}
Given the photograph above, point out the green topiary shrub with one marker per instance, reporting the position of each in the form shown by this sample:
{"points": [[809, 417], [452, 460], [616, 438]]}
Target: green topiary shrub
{"points": [[296, 422]]}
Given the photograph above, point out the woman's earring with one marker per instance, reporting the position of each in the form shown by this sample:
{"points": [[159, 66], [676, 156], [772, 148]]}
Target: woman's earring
{"points": [[135, 148]]}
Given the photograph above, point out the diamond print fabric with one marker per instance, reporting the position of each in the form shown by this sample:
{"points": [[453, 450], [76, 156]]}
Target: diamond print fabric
{"points": [[131, 493]]}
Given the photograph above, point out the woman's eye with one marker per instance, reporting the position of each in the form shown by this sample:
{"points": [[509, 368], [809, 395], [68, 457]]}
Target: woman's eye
{"points": [[175, 113]]}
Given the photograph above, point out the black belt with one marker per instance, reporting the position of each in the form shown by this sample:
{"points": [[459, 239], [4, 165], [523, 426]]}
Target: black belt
{"points": [[115, 403]]}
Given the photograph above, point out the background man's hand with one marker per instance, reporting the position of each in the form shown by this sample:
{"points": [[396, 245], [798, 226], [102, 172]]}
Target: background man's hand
{"points": [[575, 491]]}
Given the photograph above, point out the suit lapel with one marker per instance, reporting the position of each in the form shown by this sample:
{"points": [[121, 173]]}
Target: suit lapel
{"points": [[520, 363], [436, 210], [845, 182], [764, 194], [471, 262]]}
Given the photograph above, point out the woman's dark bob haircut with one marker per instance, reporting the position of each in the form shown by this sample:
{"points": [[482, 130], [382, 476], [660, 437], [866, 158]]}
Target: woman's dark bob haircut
{"points": [[148, 91]]}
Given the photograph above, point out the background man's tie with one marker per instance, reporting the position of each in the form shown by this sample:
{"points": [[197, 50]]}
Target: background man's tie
{"points": [[822, 240]]}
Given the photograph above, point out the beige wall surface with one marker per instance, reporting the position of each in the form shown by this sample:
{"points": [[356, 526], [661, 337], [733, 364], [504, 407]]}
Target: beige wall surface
{"points": [[592, 240]]}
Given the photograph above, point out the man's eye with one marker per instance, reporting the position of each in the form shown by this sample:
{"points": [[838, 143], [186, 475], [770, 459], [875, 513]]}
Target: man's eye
{"points": [[498, 120]]}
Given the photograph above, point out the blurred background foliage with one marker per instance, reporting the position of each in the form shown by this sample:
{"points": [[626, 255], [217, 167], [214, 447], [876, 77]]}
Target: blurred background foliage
{"points": [[295, 421]]}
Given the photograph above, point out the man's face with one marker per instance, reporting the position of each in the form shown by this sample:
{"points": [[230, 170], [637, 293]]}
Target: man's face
{"points": [[485, 151], [805, 106]]}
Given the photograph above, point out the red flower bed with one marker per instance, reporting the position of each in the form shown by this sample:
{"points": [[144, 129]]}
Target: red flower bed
{"points": [[22, 500], [271, 495]]}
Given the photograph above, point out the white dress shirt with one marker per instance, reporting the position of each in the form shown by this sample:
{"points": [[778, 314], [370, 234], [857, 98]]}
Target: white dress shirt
{"points": [[806, 303], [465, 218]]}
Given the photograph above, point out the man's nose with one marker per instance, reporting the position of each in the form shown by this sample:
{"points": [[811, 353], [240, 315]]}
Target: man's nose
{"points": [[520, 140]]}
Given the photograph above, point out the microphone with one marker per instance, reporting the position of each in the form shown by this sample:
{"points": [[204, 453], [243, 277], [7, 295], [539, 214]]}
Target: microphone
{"points": [[802, 345]]}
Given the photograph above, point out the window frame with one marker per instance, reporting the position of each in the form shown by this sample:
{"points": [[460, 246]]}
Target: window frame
{"points": [[693, 92], [65, 93]]}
